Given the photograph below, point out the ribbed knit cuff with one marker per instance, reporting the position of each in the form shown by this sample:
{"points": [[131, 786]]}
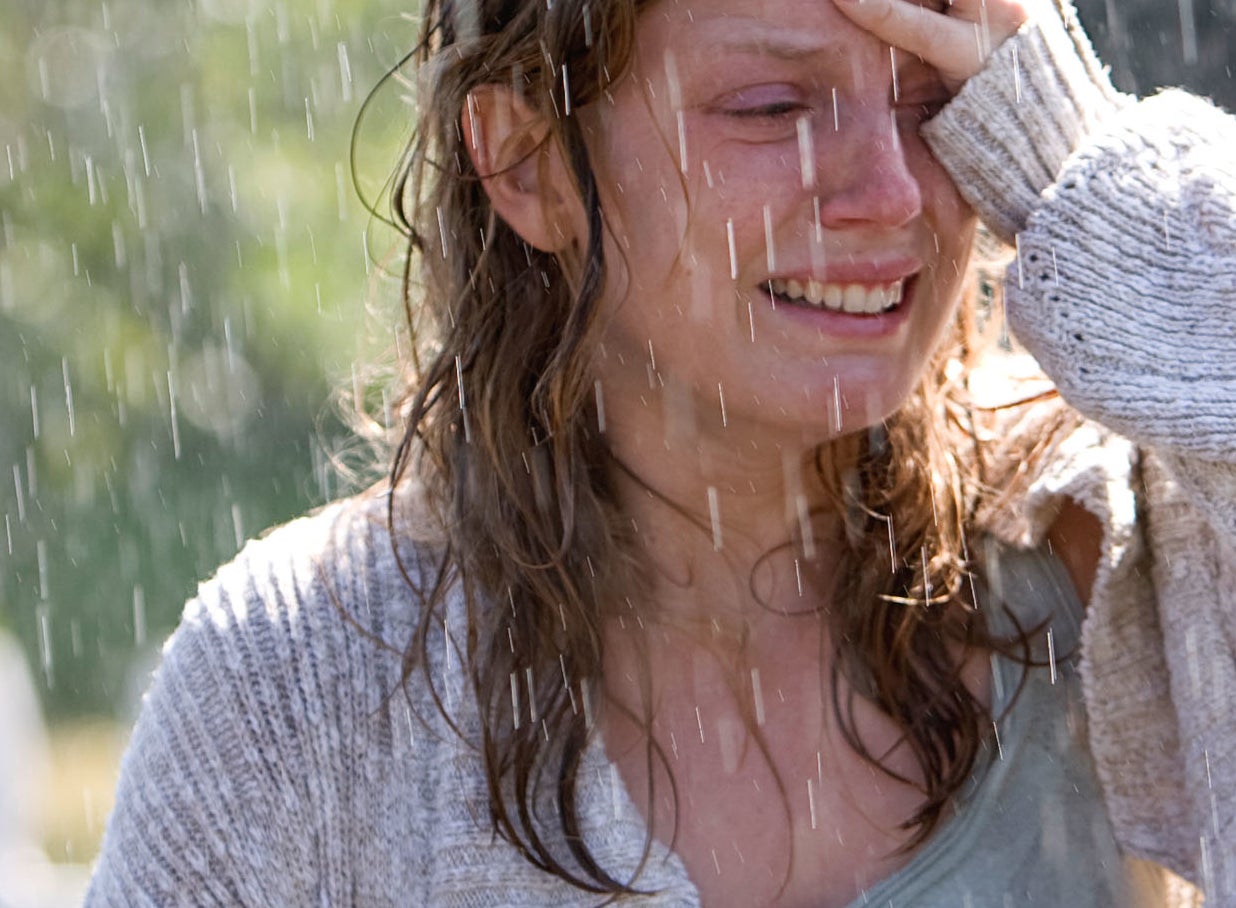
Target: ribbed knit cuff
{"points": [[1005, 135]]}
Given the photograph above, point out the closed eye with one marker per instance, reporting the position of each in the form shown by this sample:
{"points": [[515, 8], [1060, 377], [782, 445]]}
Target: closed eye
{"points": [[774, 111], [768, 103]]}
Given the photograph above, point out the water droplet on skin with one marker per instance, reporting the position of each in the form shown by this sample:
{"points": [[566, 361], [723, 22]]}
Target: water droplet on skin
{"points": [[806, 155], [768, 240], [714, 516], [729, 237]]}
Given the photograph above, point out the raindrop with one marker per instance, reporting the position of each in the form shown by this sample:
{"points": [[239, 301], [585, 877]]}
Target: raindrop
{"points": [[1051, 653], [587, 698], [40, 549], [729, 237], [32, 474], [531, 694], [714, 516], [768, 240], [345, 72], [804, 526], [43, 616], [615, 791], [68, 396], [596, 388], [806, 155], [141, 139], [836, 405], [463, 406], [238, 527], [171, 403], [1016, 74], [199, 172], [34, 411], [139, 615]]}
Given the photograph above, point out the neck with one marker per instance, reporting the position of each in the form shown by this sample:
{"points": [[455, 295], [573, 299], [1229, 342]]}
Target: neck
{"points": [[735, 524]]}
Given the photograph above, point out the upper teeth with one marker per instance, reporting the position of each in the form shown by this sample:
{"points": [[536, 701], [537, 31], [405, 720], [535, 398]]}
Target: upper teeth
{"points": [[860, 299]]}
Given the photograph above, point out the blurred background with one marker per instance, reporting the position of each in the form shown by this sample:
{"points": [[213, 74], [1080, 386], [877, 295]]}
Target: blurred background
{"points": [[186, 275]]}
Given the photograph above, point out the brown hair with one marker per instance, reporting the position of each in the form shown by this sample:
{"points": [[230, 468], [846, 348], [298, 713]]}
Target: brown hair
{"points": [[500, 428]]}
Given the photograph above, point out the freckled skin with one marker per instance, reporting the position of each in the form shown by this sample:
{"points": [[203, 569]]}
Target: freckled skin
{"points": [[881, 198], [728, 82]]}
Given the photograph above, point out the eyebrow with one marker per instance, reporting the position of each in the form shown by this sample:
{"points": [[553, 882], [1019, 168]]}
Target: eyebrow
{"points": [[768, 46], [781, 50], [755, 37]]}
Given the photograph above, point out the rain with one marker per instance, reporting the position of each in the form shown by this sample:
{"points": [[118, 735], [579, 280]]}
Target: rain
{"points": [[188, 283], [186, 278]]}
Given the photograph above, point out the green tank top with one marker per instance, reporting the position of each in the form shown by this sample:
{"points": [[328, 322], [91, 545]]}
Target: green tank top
{"points": [[1031, 827]]}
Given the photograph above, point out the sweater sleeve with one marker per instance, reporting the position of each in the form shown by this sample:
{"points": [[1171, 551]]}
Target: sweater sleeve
{"points": [[1123, 214], [1124, 218], [239, 786], [208, 788]]}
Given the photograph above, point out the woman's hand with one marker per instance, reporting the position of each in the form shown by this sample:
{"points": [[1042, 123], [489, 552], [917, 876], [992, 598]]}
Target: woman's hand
{"points": [[954, 36]]}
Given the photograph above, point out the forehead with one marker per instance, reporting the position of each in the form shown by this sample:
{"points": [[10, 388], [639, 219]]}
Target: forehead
{"points": [[789, 29]]}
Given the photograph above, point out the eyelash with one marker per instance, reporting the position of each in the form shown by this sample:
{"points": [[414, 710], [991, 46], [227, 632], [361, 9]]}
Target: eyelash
{"points": [[777, 111]]}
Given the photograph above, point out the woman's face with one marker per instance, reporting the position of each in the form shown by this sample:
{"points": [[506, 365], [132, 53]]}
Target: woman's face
{"points": [[786, 252]]}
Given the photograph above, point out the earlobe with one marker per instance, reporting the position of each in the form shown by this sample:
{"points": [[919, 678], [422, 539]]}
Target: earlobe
{"points": [[523, 172]]}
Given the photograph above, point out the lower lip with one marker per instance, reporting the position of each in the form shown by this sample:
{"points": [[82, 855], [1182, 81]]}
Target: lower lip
{"points": [[846, 324]]}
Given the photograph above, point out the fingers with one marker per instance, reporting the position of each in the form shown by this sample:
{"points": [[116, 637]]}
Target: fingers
{"points": [[955, 39]]}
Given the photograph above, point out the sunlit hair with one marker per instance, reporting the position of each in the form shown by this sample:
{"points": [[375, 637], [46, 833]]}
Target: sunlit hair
{"points": [[500, 437]]}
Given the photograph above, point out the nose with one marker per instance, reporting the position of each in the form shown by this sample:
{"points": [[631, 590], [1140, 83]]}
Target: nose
{"points": [[862, 174]]}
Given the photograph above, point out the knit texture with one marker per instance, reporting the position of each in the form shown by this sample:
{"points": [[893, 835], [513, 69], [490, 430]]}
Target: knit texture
{"points": [[1124, 289], [279, 761]]}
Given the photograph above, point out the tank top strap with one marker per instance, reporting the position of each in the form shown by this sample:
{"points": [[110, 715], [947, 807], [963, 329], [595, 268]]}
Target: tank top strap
{"points": [[1020, 589]]}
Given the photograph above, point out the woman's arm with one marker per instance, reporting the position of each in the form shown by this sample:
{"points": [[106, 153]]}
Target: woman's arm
{"points": [[1124, 217], [206, 804], [1124, 288]]}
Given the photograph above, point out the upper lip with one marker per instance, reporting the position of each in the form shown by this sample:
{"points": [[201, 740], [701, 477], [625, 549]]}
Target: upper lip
{"points": [[854, 271]]}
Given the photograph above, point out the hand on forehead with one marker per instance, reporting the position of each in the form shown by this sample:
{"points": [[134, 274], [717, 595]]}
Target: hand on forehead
{"points": [[955, 37]]}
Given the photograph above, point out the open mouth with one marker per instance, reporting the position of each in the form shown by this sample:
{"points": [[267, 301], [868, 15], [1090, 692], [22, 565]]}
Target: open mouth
{"points": [[848, 299]]}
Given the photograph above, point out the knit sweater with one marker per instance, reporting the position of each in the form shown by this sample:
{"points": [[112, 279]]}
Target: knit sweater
{"points": [[278, 759], [1124, 288]]}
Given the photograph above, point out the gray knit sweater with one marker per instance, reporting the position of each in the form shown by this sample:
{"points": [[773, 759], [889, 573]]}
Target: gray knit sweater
{"points": [[277, 761]]}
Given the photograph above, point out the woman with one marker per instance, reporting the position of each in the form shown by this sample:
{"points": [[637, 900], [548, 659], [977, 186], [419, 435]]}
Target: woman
{"points": [[703, 577]]}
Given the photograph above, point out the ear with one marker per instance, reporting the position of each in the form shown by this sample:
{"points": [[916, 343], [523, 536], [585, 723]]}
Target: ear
{"points": [[523, 173]]}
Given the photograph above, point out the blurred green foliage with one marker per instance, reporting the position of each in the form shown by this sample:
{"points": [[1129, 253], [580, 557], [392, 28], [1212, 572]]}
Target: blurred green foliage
{"points": [[183, 266], [183, 278]]}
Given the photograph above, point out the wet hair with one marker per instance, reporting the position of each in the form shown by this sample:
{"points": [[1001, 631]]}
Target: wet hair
{"points": [[499, 434]]}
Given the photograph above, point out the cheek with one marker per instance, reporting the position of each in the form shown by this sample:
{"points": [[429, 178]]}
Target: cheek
{"points": [[943, 205]]}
